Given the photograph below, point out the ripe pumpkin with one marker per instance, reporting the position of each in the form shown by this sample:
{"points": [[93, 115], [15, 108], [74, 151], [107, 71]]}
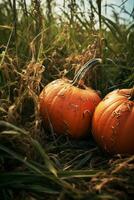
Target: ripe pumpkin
{"points": [[113, 122], [67, 106]]}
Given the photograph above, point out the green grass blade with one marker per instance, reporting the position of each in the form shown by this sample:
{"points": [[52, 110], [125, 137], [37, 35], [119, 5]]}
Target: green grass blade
{"points": [[29, 182], [20, 158], [77, 174], [11, 126], [114, 28], [47, 161], [10, 132]]}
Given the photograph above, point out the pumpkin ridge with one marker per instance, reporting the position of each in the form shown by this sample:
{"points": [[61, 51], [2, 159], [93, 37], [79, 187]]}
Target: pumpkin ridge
{"points": [[129, 116], [55, 108], [116, 124], [103, 112], [99, 128], [113, 123]]}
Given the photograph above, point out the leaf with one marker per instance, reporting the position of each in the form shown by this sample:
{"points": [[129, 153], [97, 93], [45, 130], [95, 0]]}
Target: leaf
{"points": [[130, 33], [131, 26], [47, 161], [114, 28], [78, 174], [11, 126], [29, 182], [83, 161], [10, 132], [20, 158], [3, 110], [6, 27]]}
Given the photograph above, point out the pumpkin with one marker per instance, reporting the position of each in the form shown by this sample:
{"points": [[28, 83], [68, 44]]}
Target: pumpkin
{"points": [[67, 106], [113, 122]]}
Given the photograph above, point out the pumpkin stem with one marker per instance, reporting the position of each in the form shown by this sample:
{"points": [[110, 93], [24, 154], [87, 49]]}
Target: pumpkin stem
{"points": [[132, 94], [87, 66]]}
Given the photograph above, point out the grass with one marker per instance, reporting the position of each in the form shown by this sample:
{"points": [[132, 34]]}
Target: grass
{"points": [[54, 171], [36, 48]]}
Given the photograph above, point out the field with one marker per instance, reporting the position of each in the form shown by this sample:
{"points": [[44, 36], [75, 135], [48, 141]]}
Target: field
{"points": [[41, 41]]}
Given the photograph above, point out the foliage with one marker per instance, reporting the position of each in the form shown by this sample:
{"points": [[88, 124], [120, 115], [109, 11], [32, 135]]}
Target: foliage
{"points": [[60, 172], [38, 45]]}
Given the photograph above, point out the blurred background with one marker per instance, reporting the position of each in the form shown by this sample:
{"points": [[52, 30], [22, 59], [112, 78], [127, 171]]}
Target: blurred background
{"points": [[42, 40], [64, 34]]}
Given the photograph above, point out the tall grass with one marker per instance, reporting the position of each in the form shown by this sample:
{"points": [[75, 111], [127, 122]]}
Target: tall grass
{"points": [[38, 45], [50, 38]]}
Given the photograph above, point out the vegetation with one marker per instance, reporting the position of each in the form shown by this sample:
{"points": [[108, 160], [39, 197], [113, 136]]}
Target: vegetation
{"points": [[39, 44]]}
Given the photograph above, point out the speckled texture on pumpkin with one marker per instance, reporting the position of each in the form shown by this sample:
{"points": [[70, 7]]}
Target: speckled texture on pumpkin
{"points": [[113, 122], [67, 108]]}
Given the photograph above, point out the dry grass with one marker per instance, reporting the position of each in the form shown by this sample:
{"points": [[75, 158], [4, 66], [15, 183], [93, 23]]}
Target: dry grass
{"points": [[34, 165], [35, 50]]}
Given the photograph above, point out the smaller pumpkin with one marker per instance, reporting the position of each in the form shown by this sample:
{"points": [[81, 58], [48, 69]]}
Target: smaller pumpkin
{"points": [[113, 122], [67, 106]]}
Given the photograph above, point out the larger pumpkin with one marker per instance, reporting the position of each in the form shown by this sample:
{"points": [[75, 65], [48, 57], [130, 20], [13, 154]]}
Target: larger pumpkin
{"points": [[113, 122], [67, 106]]}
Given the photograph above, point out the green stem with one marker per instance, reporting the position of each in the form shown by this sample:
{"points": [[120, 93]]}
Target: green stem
{"points": [[82, 71], [100, 28]]}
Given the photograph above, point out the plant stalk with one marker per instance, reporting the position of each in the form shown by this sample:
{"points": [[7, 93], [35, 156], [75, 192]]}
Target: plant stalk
{"points": [[86, 67]]}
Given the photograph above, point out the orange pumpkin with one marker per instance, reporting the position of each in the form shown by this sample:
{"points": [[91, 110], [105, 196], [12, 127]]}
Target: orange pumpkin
{"points": [[113, 122], [67, 106]]}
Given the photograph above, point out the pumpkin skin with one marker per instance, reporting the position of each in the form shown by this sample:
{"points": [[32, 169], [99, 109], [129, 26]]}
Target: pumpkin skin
{"points": [[67, 109], [113, 122]]}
